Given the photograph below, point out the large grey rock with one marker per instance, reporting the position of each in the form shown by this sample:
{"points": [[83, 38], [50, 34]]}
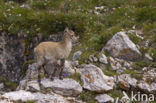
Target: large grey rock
{"points": [[94, 79], [38, 97], [104, 98], [121, 46], [12, 48], [125, 82], [66, 87]]}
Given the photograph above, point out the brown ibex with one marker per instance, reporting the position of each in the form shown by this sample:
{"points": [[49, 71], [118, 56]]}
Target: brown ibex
{"points": [[51, 52]]}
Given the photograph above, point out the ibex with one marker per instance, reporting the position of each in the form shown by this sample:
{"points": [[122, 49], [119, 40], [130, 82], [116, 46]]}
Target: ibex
{"points": [[51, 52]]}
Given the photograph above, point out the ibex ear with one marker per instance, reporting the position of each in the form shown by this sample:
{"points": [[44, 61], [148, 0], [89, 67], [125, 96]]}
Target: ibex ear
{"points": [[66, 29]]}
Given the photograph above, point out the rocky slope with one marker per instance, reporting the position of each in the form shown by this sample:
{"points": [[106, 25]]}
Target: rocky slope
{"points": [[93, 76]]}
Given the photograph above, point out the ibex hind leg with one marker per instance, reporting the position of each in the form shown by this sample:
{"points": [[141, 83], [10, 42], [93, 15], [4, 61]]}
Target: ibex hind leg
{"points": [[61, 71], [54, 72], [39, 76]]}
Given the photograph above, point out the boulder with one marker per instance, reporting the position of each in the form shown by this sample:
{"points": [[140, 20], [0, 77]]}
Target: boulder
{"points": [[38, 97], [126, 82], [94, 79], [104, 98], [120, 46], [66, 87], [12, 48]]}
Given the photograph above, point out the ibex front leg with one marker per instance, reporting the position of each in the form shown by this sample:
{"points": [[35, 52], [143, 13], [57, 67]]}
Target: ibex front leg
{"points": [[62, 66]]}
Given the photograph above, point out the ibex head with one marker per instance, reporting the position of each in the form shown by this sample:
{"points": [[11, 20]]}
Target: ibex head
{"points": [[70, 34]]}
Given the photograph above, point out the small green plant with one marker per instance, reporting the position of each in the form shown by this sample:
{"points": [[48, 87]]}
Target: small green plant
{"points": [[76, 76], [88, 96], [109, 71]]}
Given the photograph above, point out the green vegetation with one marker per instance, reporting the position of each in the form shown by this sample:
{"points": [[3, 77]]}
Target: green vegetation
{"points": [[76, 76], [8, 84], [88, 96], [51, 16], [109, 71]]}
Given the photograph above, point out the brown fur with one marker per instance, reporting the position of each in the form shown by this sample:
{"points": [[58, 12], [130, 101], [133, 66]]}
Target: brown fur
{"points": [[51, 52]]}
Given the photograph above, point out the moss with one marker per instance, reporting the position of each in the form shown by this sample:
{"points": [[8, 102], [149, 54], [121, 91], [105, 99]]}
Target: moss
{"points": [[87, 96], [9, 85]]}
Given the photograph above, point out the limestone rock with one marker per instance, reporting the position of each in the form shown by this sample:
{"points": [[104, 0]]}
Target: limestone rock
{"points": [[104, 98], [94, 79], [12, 48], [121, 46], [92, 58], [1, 86], [77, 55], [66, 87], [125, 81], [38, 97], [103, 59], [68, 67], [33, 86], [142, 85]]}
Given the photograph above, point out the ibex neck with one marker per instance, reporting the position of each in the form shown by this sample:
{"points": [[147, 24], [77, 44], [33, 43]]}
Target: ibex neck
{"points": [[66, 43]]}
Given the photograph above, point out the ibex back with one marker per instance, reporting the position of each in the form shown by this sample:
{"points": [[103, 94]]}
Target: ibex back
{"points": [[51, 52]]}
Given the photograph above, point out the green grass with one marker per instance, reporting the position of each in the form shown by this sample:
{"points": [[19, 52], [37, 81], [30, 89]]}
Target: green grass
{"points": [[76, 76], [88, 96], [8, 84]]}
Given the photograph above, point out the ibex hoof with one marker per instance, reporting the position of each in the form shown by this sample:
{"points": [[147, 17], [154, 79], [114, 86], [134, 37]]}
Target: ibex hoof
{"points": [[61, 78], [52, 79]]}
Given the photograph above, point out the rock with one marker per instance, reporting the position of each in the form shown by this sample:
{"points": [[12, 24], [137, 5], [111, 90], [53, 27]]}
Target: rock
{"points": [[149, 74], [142, 85], [1, 86], [120, 46], [94, 80], [32, 72], [92, 58], [68, 67], [153, 88], [38, 97], [75, 63], [103, 59], [104, 98], [66, 87], [33, 86], [148, 57], [22, 85], [76, 55], [114, 64], [12, 48], [125, 81]]}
